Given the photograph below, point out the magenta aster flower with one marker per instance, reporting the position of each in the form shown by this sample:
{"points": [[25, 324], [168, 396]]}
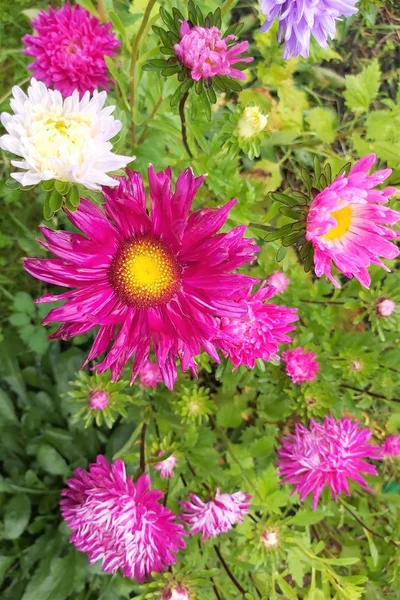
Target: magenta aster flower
{"points": [[326, 454], [150, 374], [69, 49], [162, 280], [216, 516], [167, 466], [206, 54], [120, 522], [98, 399], [301, 19], [347, 224], [385, 307], [301, 365], [391, 446], [258, 332], [279, 281]]}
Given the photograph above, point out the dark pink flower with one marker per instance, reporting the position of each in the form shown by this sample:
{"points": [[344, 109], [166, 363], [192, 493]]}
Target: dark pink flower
{"points": [[326, 454], [391, 446], [206, 54], [279, 281], [301, 365], [258, 332], [348, 224], [162, 280], [120, 522], [69, 49], [216, 516], [150, 374]]}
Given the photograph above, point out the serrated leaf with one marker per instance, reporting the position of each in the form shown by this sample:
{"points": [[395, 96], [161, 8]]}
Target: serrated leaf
{"points": [[363, 88]]}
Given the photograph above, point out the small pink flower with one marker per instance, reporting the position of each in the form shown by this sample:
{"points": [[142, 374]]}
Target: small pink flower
{"points": [[270, 538], [167, 466], [216, 516], [120, 522], [385, 307], [176, 593], [203, 51], [150, 374], [98, 399], [279, 281], [348, 224], [391, 446], [326, 454], [69, 48], [259, 331], [301, 365]]}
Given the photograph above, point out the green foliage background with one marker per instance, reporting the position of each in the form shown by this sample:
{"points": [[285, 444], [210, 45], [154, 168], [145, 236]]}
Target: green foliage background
{"points": [[335, 107]]}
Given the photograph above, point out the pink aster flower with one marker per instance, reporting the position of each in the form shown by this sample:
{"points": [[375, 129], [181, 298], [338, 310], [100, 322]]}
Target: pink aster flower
{"points": [[279, 281], [348, 224], [176, 593], [391, 446], [120, 522], [326, 454], [69, 49], [206, 54], [385, 307], [216, 516], [150, 374], [162, 280], [98, 399], [258, 332], [167, 466], [301, 365]]}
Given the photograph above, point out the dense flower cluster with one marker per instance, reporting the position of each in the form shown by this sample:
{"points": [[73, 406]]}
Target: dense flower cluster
{"points": [[120, 522], [301, 365], [215, 516], [326, 454], [69, 49]]}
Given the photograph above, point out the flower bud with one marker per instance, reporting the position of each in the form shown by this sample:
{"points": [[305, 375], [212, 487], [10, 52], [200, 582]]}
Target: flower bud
{"points": [[251, 122]]}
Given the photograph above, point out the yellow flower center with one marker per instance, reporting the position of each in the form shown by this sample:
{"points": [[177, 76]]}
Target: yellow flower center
{"points": [[343, 222], [144, 273]]}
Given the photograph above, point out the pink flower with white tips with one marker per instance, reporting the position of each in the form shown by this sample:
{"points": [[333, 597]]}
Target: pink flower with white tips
{"points": [[326, 454], [167, 466], [216, 516], [349, 225]]}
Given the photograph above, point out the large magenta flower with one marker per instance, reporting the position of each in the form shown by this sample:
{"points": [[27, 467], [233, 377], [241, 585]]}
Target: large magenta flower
{"points": [[216, 516], [326, 454], [347, 224], [69, 49], [206, 53], [258, 332], [120, 522], [162, 280]]}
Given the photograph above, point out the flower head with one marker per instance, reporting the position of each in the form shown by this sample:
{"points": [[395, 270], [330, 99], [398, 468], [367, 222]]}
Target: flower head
{"points": [[120, 522], [162, 280], [194, 404], [64, 139], [176, 593], [326, 454], [252, 122], [258, 332], [270, 539], [279, 281], [391, 446], [69, 49], [206, 54], [348, 225], [167, 466], [150, 374], [385, 307], [216, 516], [98, 399], [301, 19], [301, 365]]}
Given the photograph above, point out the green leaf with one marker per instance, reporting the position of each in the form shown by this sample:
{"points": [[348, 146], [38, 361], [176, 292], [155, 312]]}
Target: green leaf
{"points": [[7, 411], [19, 319], [51, 461], [363, 88], [74, 197], [16, 516], [23, 303], [322, 122], [372, 548], [309, 517], [55, 200]]}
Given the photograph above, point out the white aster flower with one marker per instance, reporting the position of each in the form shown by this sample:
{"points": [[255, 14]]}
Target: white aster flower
{"points": [[64, 139], [252, 122]]}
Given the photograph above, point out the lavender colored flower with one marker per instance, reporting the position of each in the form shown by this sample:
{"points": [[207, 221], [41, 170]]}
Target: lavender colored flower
{"points": [[120, 522], [326, 454], [69, 49], [301, 19], [216, 516]]}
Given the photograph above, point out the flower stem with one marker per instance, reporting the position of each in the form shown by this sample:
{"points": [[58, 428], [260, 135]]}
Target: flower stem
{"points": [[227, 6], [134, 55], [373, 394], [143, 448], [364, 526], [183, 123], [228, 571]]}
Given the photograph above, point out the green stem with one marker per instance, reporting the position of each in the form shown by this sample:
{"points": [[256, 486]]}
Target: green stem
{"points": [[228, 571], [134, 55], [364, 526], [143, 448], [183, 123], [25, 490]]}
